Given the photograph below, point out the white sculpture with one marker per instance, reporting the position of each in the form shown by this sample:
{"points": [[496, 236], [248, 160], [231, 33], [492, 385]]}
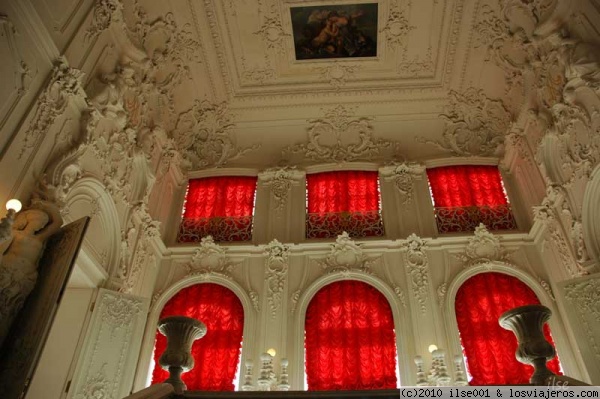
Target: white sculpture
{"points": [[19, 262]]}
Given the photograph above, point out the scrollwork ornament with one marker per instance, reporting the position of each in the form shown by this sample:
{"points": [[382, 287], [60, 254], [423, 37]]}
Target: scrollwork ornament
{"points": [[276, 273], [345, 255], [96, 386], [442, 291], [119, 311], [103, 14], [484, 248], [475, 125], [404, 176], [417, 264], [585, 296], [339, 125], [396, 27], [65, 83], [280, 181], [203, 135], [400, 295], [210, 258]]}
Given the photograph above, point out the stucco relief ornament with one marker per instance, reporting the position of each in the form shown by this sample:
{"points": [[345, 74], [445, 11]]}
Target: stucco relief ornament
{"points": [[585, 296], [337, 74], [204, 137], [400, 294], [346, 255], [396, 27], [97, 386], [276, 273], [280, 181], [65, 83], [352, 137], [484, 248], [210, 259], [417, 264], [493, 33], [404, 175], [103, 14], [272, 32], [475, 125]]}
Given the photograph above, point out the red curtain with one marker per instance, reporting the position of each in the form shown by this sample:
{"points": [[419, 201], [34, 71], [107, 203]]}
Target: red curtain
{"points": [[343, 201], [466, 185], [220, 196], [467, 195], [488, 348], [345, 191], [217, 354], [349, 339], [210, 200]]}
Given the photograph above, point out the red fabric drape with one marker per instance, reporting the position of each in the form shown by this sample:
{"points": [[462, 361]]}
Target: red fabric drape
{"points": [[488, 348], [220, 206], [345, 191], [343, 201], [217, 354], [220, 196], [467, 185], [349, 339]]}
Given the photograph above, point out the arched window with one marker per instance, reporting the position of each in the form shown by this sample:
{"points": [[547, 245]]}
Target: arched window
{"points": [[343, 201], [349, 339], [217, 355], [466, 195], [488, 348], [220, 206]]}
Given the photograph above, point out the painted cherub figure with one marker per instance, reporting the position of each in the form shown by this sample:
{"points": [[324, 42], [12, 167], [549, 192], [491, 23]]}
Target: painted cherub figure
{"points": [[19, 262]]}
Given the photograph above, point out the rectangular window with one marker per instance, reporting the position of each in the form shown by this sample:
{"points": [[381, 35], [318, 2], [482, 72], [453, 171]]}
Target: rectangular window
{"points": [[465, 196], [222, 207], [343, 201]]}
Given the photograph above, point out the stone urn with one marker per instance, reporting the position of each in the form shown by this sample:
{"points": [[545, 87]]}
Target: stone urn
{"points": [[181, 332], [527, 323]]}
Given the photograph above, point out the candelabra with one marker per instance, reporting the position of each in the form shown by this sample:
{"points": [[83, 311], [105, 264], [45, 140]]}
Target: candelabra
{"points": [[438, 373], [267, 380]]}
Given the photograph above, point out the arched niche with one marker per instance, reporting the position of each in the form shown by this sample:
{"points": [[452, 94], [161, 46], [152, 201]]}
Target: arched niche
{"points": [[403, 333], [101, 244], [143, 369], [590, 216], [559, 334]]}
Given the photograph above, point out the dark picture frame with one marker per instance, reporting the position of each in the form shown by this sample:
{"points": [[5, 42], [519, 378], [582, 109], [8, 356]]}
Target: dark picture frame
{"points": [[335, 31]]}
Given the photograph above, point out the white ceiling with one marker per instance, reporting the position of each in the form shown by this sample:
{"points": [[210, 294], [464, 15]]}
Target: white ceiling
{"points": [[242, 52]]}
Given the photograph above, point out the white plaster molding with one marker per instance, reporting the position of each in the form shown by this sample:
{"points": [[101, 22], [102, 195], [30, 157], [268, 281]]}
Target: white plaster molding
{"points": [[104, 12], [110, 350], [22, 71], [403, 175], [280, 182], [345, 256], [585, 297], [397, 26], [475, 124], [204, 136], [353, 138], [276, 273], [417, 269], [65, 83], [484, 248]]}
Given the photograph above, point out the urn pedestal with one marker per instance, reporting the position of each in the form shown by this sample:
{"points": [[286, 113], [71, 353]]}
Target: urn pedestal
{"points": [[527, 323], [181, 332]]}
